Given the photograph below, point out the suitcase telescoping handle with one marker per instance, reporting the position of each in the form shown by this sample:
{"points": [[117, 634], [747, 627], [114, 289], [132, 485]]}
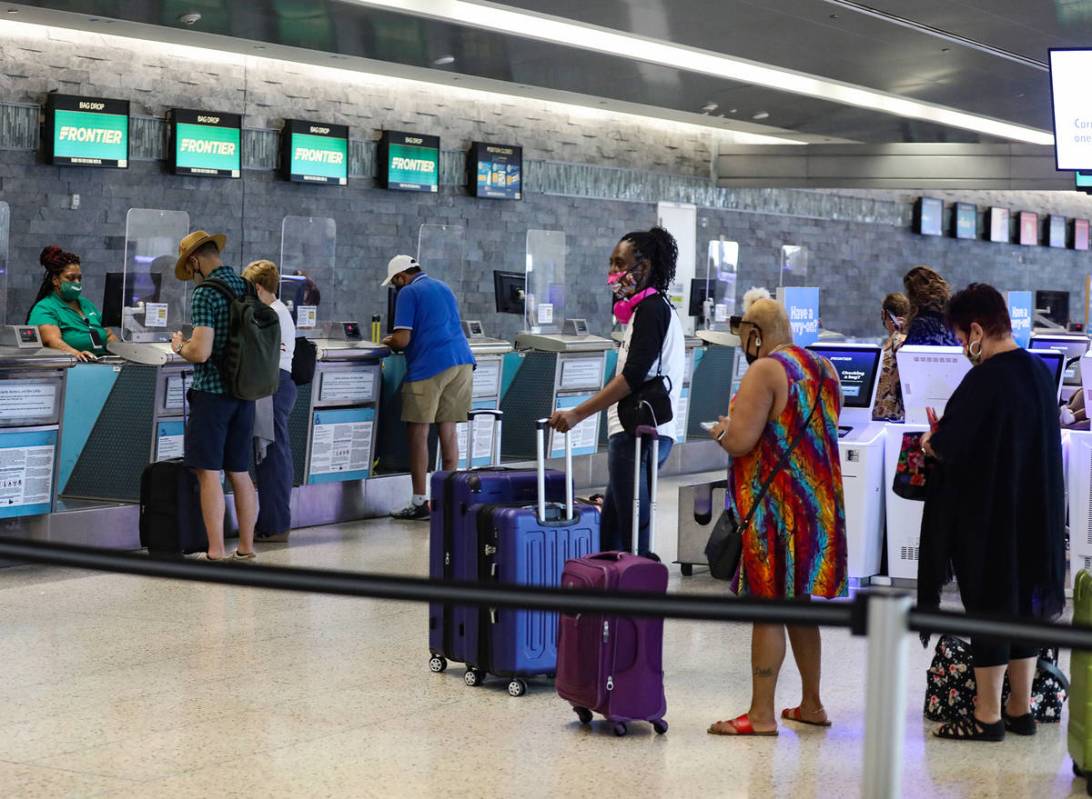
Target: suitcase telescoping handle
{"points": [[639, 433], [497, 416], [540, 445]]}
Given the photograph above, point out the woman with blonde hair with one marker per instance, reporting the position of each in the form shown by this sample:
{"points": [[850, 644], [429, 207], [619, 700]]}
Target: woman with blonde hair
{"points": [[275, 469], [928, 294]]}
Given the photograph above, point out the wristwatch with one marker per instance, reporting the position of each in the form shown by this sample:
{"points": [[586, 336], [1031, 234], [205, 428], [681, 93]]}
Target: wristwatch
{"points": [[178, 349]]}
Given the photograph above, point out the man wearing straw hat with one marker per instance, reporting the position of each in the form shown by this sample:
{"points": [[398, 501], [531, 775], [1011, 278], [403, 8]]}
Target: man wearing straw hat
{"points": [[218, 436]]}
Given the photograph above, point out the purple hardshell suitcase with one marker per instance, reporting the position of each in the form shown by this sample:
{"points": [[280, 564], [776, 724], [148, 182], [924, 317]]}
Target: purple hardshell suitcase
{"points": [[613, 665], [525, 544], [453, 540]]}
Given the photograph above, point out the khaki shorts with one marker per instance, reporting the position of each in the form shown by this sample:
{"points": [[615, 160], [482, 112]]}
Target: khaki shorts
{"points": [[441, 398]]}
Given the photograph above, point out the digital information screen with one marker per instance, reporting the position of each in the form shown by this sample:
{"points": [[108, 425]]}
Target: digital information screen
{"points": [[1029, 228], [1080, 234], [1069, 71], [409, 161], [1057, 229], [857, 371], [999, 225], [87, 131], [495, 171], [314, 152], [205, 143], [1083, 181], [929, 213], [966, 221]]}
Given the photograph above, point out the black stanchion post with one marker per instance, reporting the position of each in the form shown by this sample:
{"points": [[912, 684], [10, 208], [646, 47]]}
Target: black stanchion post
{"points": [[885, 704]]}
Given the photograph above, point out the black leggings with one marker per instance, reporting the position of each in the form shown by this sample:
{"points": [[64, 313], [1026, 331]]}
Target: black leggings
{"points": [[998, 651]]}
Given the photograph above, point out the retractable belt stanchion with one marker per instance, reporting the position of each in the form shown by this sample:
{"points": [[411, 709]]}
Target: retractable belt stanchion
{"points": [[885, 695]]}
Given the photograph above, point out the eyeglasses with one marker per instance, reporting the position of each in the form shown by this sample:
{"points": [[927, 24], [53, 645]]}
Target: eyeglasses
{"points": [[734, 324]]}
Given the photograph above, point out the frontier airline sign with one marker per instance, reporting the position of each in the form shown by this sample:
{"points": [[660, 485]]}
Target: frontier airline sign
{"points": [[205, 143], [313, 152], [85, 131]]}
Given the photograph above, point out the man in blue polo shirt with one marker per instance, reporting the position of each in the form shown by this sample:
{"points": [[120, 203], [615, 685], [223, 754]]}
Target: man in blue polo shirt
{"points": [[440, 370]]}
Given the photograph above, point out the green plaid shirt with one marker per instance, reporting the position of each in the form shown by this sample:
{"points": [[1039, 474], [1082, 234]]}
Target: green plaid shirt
{"points": [[210, 308]]}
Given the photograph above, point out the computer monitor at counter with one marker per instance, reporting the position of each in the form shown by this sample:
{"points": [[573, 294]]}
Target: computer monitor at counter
{"points": [[127, 290], [1074, 348], [858, 367], [1055, 361]]}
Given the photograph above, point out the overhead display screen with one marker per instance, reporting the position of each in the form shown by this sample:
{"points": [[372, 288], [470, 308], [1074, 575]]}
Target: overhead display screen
{"points": [[857, 371], [1029, 228], [495, 170], [966, 221], [1080, 234], [87, 131], [409, 161], [1056, 231], [1069, 71], [315, 152], [927, 215], [205, 143], [999, 225]]}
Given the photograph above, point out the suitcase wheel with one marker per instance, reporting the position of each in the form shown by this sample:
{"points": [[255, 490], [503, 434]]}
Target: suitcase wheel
{"points": [[620, 729], [517, 688], [660, 725], [1077, 770], [474, 677], [687, 569], [437, 665], [583, 714]]}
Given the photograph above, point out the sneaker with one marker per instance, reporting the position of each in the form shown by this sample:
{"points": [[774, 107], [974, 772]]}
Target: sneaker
{"points": [[239, 557], [412, 513], [272, 538]]}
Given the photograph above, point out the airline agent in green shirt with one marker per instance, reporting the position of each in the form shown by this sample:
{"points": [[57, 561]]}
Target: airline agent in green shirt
{"points": [[66, 321]]}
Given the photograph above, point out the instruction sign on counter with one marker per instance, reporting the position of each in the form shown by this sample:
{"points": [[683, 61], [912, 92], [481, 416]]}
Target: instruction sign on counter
{"points": [[341, 445], [27, 400], [582, 372], [169, 441], [585, 436], [177, 386], [26, 472], [356, 385], [485, 428]]}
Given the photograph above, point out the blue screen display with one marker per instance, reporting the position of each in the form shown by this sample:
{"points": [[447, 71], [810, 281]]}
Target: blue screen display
{"points": [[857, 370]]}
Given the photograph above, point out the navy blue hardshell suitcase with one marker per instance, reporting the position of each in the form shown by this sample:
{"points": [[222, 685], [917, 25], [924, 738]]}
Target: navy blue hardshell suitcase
{"points": [[453, 537], [525, 544]]}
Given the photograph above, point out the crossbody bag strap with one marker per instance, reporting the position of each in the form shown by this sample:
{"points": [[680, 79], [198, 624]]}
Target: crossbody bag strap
{"points": [[784, 459]]}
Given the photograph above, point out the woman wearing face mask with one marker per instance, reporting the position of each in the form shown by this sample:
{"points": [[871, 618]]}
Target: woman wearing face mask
{"points": [[66, 320], [642, 267], [888, 406], [782, 436], [995, 510]]}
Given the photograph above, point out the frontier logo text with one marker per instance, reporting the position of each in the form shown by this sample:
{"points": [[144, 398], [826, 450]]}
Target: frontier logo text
{"points": [[319, 156], [413, 164], [91, 135], [203, 147]]}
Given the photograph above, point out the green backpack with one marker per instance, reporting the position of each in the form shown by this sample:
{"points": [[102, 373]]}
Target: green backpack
{"points": [[251, 359]]}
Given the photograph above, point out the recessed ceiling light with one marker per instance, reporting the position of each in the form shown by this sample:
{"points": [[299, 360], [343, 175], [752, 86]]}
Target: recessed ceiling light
{"points": [[761, 115], [444, 61], [566, 33], [710, 107]]}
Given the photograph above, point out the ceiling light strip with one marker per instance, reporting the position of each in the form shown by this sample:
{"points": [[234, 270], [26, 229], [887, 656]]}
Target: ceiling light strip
{"points": [[504, 20]]}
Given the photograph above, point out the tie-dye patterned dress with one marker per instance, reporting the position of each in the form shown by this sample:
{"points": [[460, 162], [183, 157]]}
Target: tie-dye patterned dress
{"points": [[796, 544]]}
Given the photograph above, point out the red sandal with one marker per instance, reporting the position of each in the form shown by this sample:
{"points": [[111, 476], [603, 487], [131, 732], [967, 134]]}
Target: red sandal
{"points": [[793, 714], [742, 726]]}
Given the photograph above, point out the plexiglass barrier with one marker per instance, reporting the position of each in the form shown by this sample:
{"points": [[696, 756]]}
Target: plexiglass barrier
{"points": [[441, 251], [308, 267], [545, 300], [145, 300], [5, 226], [794, 265], [722, 268]]}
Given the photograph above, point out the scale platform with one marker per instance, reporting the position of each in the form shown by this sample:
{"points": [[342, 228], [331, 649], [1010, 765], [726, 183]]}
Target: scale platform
{"points": [[562, 343], [721, 338]]}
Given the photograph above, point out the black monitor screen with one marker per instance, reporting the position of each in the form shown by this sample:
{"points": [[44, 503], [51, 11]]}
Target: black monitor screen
{"points": [[1071, 346], [508, 289], [142, 287], [1057, 229], [928, 216], [858, 370], [297, 290], [966, 221], [699, 293], [1054, 305], [1055, 362]]}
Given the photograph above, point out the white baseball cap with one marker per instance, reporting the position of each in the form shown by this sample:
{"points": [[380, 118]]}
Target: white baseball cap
{"points": [[397, 265]]}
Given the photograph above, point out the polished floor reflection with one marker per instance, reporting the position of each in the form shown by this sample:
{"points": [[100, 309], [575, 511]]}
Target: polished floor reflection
{"points": [[128, 687]]}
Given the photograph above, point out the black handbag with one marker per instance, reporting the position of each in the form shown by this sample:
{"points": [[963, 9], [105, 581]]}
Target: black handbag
{"points": [[724, 549], [650, 404], [303, 361]]}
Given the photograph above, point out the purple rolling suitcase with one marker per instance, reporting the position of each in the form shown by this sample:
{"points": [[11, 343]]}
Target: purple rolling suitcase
{"points": [[453, 539], [613, 665], [525, 544]]}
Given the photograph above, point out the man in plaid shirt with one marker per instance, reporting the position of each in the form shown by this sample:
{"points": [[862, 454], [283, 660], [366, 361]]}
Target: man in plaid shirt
{"points": [[218, 436]]}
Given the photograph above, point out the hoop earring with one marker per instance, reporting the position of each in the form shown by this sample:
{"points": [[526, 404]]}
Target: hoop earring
{"points": [[758, 342], [970, 349]]}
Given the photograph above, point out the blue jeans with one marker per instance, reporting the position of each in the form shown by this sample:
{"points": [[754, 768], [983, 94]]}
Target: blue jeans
{"points": [[276, 472], [616, 527]]}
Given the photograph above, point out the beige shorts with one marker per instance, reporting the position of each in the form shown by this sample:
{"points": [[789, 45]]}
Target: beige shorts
{"points": [[441, 398]]}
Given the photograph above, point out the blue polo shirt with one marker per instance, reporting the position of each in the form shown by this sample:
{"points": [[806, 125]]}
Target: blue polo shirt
{"points": [[428, 308]]}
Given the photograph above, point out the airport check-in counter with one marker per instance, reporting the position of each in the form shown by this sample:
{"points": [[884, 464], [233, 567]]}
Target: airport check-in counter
{"points": [[32, 390], [333, 424], [556, 372], [141, 421]]}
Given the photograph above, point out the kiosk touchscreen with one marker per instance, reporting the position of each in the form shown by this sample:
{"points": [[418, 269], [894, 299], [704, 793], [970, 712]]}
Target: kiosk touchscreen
{"points": [[861, 451], [1074, 348], [1055, 361]]}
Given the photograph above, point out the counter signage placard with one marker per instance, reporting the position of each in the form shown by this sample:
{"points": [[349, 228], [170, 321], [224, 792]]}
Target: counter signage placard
{"points": [[495, 171], [802, 306], [205, 143], [315, 152], [27, 401], [87, 131], [1020, 310], [341, 444], [26, 472], [409, 161], [354, 385]]}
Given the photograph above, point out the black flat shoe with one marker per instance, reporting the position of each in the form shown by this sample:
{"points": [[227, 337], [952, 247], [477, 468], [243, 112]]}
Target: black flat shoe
{"points": [[971, 729], [1021, 725]]}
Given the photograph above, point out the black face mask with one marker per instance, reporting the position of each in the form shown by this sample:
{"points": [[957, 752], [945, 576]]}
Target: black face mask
{"points": [[756, 335]]}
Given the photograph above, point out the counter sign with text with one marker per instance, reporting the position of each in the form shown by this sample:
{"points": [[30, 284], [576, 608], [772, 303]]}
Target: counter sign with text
{"points": [[315, 152], [87, 131], [409, 161], [205, 143], [495, 171]]}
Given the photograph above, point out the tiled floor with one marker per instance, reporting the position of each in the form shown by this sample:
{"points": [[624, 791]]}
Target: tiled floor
{"points": [[116, 686]]}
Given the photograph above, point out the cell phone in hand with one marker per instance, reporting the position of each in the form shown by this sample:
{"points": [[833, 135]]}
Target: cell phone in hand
{"points": [[931, 415], [708, 426]]}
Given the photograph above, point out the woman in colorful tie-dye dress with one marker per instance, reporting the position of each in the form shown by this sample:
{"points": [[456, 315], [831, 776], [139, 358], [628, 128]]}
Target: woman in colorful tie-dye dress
{"points": [[795, 546]]}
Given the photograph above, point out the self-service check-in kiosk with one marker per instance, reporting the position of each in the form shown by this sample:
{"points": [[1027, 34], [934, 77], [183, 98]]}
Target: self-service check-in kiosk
{"points": [[1074, 347], [1079, 484], [861, 450], [489, 355], [929, 376]]}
